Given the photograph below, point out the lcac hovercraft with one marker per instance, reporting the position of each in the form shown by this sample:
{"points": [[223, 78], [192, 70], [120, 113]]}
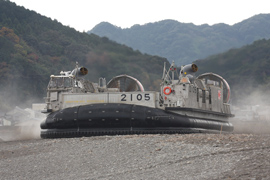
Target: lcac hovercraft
{"points": [[185, 104]]}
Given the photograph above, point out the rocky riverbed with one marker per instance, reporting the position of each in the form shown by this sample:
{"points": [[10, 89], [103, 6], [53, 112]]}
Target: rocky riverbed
{"points": [[188, 156]]}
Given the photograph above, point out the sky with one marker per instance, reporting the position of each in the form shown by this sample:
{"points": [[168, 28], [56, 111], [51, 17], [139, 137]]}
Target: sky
{"points": [[83, 15]]}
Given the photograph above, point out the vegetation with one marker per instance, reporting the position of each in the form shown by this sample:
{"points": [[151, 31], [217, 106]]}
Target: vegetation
{"points": [[32, 47], [186, 42]]}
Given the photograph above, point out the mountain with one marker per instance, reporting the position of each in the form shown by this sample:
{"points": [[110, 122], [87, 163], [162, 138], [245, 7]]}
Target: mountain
{"points": [[186, 42], [32, 47], [246, 69]]}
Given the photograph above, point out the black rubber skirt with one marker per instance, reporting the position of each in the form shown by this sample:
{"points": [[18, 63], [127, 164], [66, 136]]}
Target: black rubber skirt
{"points": [[117, 119]]}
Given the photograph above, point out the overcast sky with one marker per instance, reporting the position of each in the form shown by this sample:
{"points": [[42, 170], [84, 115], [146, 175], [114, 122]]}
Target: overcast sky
{"points": [[83, 15]]}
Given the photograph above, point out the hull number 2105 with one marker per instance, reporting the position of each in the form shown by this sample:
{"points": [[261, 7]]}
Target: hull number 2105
{"points": [[136, 97]]}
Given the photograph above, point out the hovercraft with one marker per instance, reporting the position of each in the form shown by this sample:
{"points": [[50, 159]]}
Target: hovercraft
{"points": [[185, 104]]}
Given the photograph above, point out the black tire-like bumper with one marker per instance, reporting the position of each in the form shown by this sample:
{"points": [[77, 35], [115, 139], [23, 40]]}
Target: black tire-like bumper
{"points": [[116, 119]]}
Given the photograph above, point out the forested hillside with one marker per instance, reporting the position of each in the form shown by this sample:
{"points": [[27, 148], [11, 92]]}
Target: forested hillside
{"points": [[186, 42], [32, 47], [246, 69]]}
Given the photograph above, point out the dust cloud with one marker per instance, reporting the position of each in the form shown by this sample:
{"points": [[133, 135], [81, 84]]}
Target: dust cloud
{"points": [[29, 130], [252, 114], [21, 124]]}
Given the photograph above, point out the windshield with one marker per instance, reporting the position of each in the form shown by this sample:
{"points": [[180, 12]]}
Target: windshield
{"points": [[60, 82]]}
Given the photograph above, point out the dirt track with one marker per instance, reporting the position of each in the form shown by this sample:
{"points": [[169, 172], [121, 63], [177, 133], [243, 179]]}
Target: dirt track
{"points": [[192, 156]]}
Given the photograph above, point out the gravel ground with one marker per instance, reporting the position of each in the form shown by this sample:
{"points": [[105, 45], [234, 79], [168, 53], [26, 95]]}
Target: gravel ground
{"points": [[190, 156]]}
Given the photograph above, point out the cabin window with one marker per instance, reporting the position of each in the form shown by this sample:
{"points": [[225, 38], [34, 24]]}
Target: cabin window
{"points": [[67, 82], [56, 82], [60, 82]]}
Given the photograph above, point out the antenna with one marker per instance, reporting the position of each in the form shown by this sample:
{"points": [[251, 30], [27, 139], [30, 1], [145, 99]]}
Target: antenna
{"points": [[164, 71]]}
